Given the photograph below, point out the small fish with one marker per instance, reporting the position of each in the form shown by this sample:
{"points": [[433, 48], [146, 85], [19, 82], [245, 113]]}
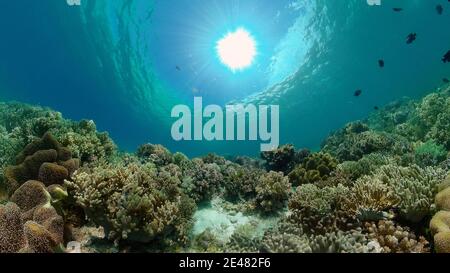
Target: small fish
{"points": [[376, 108], [411, 38], [445, 80], [358, 93], [178, 68], [440, 9], [446, 58], [397, 9], [381, 63]]}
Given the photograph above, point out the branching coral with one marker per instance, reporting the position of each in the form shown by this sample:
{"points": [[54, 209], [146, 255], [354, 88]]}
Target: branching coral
{"points": [[45, 160], [316, 167], [282, 159], [369, 199], [440, 224], [272, 191], [156, 154], [317, 210], [25, 123], [357, 140], [396, 239], [137, 202], [240, 182], [202, 180], [414, 187]]}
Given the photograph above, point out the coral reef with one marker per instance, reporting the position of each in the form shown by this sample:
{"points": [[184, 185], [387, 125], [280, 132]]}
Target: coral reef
{"points": [[415, 187], [372, 188], [396, 239], [202, 180], [136, 202], [21, 124], [314, 168], [440, 224], [272, 191], [45, 160], [282, 159]]}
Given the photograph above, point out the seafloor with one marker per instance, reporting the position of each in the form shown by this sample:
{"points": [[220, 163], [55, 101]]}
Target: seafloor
{"points": [[377, 185]]}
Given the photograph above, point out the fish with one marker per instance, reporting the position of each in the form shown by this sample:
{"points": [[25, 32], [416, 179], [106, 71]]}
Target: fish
{"points": [[397, 9], [440, 9], [411, 38], [178, 68], [358, 93], [381, 63], [446, 58], [376, 108], [445, 80]]}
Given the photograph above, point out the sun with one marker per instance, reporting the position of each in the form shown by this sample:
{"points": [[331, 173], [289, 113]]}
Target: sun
{"points": [[237, 50]]}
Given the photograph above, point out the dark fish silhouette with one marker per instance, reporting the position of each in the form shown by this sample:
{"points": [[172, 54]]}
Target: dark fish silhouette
{"points": [[397, 9], [358, 93], [440, 9], [411, 38], [178, 68], [376, 108], [445, 80], [446, 58], [381, 63]]}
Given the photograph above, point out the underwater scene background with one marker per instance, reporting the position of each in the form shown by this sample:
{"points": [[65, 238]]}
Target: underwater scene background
{"points": [[364, 95]]}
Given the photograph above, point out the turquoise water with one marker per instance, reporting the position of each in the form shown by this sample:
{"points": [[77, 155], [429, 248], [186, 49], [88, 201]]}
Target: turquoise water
{"points": [[125, 63]]}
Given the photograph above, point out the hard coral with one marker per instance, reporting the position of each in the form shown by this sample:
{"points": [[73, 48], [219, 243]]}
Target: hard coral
{"points": [[316, 167], [282, 159], [12, 237], [156, 154], [369, 199], [396, 239], [272, 191], [135, 203], [415, 187], [202, 180]]}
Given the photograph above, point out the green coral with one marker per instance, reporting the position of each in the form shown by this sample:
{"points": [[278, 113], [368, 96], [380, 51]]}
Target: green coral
{"points": [[272, 191], [45, 160], [414, 186], [240, 182]]}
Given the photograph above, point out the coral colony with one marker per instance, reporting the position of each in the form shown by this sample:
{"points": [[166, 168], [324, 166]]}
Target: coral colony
{"points": [[380, 185], [229, 126]]}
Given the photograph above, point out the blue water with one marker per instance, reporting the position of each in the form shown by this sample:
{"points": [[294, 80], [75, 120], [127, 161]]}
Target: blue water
{"points": [[115, 61]]}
